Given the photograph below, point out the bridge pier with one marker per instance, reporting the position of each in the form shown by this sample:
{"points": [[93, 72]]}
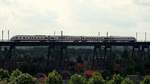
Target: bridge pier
{"points": [[100, 61], [108, 56], [94, 57], [133, 51], [10, 64], [50, 58], [63, 55]]}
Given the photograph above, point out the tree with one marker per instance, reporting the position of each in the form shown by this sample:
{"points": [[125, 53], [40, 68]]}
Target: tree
{"points": [[54, 78], [146, 80], [127, 81], [117, 79], [25, 79], [4, 75], [15, 74], [96, 79], [77, 79], [110, 82]]}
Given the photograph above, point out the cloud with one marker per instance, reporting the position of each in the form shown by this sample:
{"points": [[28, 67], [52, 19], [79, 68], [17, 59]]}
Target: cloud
{"points": [[75, 17], [143, 2]]}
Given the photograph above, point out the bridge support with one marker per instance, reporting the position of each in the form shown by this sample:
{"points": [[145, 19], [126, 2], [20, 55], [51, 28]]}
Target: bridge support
{"points": [[10, 63], [100, 60], [50, 59], [63, 55], [94, 57], [133, 51], [107, 56]]}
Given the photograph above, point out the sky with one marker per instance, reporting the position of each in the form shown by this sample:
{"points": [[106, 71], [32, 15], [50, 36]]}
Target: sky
{"points": [[76, 17]]}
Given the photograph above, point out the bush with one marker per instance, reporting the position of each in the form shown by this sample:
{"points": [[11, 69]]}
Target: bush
{"points": [[4, 82], [24, 79], [146, 80], [4, 75], [127, 81], [15, 74], [117, 79], [96, 79], [110, 82], [54, 78], [77, 79]]}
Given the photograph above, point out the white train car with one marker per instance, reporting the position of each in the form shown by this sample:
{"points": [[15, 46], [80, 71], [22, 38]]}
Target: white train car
{"points": [[64, 38], [29, 38], [118, 39], [72, 38]]}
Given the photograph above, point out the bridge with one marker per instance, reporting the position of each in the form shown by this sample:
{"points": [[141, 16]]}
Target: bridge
{"points": [[142, 47], [32, 43]]}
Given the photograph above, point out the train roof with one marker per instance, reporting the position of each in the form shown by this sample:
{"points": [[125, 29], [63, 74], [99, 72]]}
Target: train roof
{"points": [[76, 36]]}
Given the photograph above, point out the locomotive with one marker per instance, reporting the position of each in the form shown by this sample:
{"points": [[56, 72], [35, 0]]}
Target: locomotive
{"points": [[72, 38]]}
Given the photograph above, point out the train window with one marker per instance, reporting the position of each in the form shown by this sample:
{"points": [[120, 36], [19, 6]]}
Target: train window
{"points": [[19, 37], [40, 37], [16, 38], [46, 37], [52, 38], [35, 37], [25, 37]]}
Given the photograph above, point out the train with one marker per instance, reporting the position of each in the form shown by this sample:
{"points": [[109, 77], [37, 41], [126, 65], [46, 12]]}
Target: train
{"points": [[42, 38]]}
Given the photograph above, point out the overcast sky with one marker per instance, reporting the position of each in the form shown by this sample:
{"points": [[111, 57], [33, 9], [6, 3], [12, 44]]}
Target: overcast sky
{"points": [[76, 17]]}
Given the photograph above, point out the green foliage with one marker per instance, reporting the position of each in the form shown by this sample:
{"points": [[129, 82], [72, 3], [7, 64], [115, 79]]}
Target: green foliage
{"points": [[127, 81], [4, 82], [24, 79], [15, 74], [54, 78], [130, 65], [77, 79], [117, 79], [4, 75], [110, 82], [146, 80], [96, 79]]}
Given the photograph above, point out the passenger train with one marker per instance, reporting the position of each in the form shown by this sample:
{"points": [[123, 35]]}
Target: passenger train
{"points": [[72, 38]]}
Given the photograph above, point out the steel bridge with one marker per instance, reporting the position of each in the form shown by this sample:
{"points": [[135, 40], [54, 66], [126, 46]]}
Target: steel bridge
{"points": [[142, 47]]}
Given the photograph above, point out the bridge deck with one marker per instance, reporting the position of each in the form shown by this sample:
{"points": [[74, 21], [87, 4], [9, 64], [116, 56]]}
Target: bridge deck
{"points": [[9, 43]]}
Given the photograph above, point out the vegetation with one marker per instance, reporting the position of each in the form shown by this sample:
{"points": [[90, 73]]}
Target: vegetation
{"points": [[110, 82], [54, 78], [18, 77], [146, 80], [117, 79], [127, 81], [34, 60], [77, 79], [15, 74], [4, 75], [96, 79], [24, 79]]}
